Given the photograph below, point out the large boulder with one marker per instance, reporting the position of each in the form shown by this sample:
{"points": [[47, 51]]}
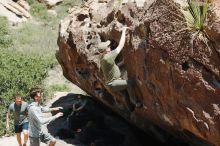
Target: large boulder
{"points": [[16, 12], [177, 75], [12, 17]]}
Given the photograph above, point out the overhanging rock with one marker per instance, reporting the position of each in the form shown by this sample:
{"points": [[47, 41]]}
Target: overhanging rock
{"points": [[177, 76]]}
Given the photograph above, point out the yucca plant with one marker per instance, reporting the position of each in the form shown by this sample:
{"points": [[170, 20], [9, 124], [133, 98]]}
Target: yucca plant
{"points": [[196, 14]]}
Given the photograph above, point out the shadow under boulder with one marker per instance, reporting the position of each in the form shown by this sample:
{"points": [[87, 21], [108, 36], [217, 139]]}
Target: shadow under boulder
{"points": [[96, 125]]}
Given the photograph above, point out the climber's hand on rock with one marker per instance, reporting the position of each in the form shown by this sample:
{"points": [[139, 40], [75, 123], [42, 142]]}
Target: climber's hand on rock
{"points": [[121, 27], [60, 108], [124, 28], [59, 115], [57, 108]]}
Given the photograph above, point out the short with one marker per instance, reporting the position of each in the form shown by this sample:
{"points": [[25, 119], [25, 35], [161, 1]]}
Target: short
{"points": [[45, 137], [34, 141], [20, 128]]}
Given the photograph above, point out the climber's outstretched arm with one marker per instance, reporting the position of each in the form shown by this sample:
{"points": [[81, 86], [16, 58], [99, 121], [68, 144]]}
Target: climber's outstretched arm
{"points": [[122, 40]]}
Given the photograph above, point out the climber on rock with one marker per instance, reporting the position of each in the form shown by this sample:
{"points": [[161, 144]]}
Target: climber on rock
{"points": [[111, 71]]}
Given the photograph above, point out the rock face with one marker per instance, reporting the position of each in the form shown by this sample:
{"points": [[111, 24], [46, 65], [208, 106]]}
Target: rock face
{"points": [[177, 75], [16, 12]]}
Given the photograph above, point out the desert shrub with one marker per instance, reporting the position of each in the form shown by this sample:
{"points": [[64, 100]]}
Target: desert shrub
{"points": [[39, 10], [196, 16], [54, 88], [27, 53], [36, 39], [31, 2], [21, 70], [5, 40], [19, 73]]}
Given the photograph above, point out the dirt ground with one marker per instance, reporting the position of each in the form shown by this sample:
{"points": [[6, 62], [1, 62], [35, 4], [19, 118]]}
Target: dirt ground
{"points": [[11, 141]]}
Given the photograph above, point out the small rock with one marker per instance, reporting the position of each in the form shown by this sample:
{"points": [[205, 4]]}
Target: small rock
{"points": [[24, 4], [51, 3], [12, 18], [15, 11], [52, 12]]}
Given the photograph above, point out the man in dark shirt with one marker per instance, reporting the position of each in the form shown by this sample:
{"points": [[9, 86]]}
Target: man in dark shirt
{"points": [[19, 110]]}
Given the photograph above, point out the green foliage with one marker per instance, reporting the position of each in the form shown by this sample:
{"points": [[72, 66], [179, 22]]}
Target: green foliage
{"points": [[31, 2], [24, 61], [196, 17], [27, 53], [19, 73], [196, 14], [3, 26], [62, 9], [39, 10], [34, 38], [5, 41], [57, 87]]}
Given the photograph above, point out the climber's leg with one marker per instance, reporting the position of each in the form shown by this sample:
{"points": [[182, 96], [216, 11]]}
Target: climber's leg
{"points": [[133, 98], [118, 85]]}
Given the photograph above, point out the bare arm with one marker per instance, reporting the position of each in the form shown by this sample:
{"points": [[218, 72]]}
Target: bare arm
{"points": [[46, 110], [122, 40], [56, 108], [7, 120], [33, 115]]}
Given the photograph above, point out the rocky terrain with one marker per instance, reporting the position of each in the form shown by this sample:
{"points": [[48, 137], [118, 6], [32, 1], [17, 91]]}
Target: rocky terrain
{"points": [[15, 11], [177, 74], [18, 11]]}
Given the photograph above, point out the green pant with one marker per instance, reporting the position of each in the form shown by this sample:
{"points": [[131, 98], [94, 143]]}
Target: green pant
{"points": [[118, 85]]}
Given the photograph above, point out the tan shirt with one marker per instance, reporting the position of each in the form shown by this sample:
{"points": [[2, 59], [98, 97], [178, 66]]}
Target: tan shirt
{"points": [[109, 68]]}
